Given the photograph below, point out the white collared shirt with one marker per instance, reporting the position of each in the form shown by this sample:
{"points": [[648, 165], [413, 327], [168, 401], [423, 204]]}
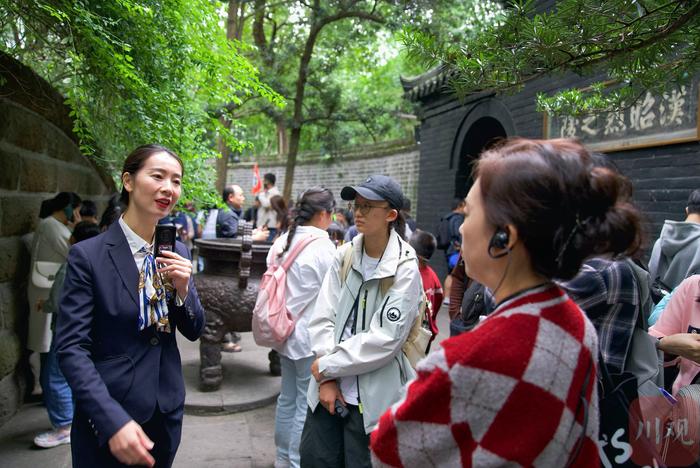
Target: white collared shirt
{"points": [[304, 280], [136, 242]]}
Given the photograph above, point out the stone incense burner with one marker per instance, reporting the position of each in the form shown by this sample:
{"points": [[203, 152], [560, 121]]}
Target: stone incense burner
{"points": [[228, 287]]}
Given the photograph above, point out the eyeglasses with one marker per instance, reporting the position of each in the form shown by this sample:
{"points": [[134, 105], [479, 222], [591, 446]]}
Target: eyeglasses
{"points": [[365, 208]]}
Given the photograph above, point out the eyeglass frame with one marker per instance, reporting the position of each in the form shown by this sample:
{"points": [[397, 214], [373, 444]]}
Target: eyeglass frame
{"points": [[364, 209]]}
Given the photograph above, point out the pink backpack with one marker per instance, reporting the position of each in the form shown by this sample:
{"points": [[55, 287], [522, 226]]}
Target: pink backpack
{"points": [[272, 324]]}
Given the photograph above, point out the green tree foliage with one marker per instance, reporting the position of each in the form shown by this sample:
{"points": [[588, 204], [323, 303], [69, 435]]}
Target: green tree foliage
{"points": [[634, 45], [137, 71], [358, 102], [337, 65]]}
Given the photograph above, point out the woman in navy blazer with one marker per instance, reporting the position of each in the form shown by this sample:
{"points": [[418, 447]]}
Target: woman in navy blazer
{"points": [[127, 382]]}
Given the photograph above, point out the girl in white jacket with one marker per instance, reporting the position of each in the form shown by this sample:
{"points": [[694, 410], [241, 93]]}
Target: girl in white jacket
{"points": [[312, 216], [363, 315]]}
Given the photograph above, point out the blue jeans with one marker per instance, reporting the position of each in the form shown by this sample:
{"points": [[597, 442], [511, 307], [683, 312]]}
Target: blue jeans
{"points": [[291, 408], [58, 397]]}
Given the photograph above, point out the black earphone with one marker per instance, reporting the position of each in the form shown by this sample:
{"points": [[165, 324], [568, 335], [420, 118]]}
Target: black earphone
{"points": [[499, 240]]}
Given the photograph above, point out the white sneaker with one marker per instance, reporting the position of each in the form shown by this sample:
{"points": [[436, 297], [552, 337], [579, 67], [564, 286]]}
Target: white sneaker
{"points": [[52, 438]]}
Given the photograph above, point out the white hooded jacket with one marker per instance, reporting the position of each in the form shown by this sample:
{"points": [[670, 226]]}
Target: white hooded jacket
{"points": [[383, 323]]}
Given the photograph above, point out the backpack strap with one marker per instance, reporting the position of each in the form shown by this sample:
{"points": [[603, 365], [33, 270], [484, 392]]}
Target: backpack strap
{"points": [[384, 283], [292, 255], [346, 264]]}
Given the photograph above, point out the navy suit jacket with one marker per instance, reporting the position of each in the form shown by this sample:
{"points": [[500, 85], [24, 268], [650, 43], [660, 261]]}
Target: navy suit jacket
{"points": [[118, 373]]}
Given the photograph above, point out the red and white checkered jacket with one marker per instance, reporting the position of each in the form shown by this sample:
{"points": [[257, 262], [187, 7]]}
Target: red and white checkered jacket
{"points": [[507, 393]]}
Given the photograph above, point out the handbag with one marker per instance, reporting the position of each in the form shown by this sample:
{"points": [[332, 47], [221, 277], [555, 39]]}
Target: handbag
{"points": [[44, 274]]}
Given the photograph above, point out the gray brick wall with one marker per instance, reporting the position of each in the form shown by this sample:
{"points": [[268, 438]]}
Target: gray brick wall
{"points": [[401, 164], [38, 158]]}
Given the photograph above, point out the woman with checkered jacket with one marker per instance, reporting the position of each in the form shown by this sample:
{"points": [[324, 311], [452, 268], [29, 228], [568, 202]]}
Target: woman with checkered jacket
{"points": [[520, 388]]}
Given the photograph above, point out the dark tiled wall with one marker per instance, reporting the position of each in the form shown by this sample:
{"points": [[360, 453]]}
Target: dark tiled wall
{"points": [[663, 176]]}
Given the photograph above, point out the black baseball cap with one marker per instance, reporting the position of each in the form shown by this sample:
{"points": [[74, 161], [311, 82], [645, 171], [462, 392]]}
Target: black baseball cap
{"points": [[377, 188]]}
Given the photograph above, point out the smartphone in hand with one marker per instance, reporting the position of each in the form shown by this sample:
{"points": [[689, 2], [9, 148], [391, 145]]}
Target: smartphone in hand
{"points": [[340, 410], [164, 239]]}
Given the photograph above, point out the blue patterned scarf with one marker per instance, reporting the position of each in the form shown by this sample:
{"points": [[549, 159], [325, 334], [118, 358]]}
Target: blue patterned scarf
{"points": [[153, 298]]}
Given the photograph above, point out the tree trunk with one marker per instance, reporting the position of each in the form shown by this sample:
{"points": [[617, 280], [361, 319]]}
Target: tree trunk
{"points": [[282, 141], [233, 31], [294, 138], [233, 21], [222, 162]]}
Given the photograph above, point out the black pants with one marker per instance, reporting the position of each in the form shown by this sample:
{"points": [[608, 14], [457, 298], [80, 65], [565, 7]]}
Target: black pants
{"points": [[333, 442], [163, 429]]}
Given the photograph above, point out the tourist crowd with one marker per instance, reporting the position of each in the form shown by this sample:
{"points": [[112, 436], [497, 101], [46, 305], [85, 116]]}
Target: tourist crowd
{"points": [[562, 340]]}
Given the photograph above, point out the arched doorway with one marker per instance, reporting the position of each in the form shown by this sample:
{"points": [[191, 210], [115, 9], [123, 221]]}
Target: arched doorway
{"points": [[483, 133]]}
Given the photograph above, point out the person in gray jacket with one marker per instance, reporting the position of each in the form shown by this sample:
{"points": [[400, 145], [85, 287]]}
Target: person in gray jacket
{"points": [[364, 312], [676, 253]]}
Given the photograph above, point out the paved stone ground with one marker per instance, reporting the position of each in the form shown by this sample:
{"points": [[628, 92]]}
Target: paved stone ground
{"points": [[239, 440]]}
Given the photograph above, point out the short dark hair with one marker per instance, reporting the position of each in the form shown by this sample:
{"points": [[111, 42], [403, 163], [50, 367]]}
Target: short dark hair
{"points": [[85, 230], [457, 202], [88, 208], [228, 191], [563, 206], [424, 243], [694, 202], [336, 232], [270, 177], [136, 159]]}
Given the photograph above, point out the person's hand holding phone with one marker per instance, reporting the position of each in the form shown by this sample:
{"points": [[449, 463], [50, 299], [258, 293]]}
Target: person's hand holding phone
{"points": [[328, 394], [177, 269]]}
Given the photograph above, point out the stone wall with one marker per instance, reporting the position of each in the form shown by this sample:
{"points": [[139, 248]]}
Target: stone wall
{"points": [[39, 157], [399, 161]]}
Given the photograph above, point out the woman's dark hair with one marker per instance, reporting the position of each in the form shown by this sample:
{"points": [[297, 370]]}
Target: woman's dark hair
{"points": [[136, 159], [564, 206], [59, 202], [279, 206], [88, 208], [399, 224], [424, 243], [310, 202], [112, 212]]}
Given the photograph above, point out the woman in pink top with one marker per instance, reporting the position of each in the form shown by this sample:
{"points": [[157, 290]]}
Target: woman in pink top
{"points": [[678, 330]]}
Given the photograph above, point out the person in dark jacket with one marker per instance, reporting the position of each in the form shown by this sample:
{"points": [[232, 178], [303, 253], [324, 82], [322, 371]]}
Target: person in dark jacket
{"points": [[228, 218]]}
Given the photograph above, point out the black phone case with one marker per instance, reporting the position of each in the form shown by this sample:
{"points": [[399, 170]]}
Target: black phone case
{"points": [[164, 238]]}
